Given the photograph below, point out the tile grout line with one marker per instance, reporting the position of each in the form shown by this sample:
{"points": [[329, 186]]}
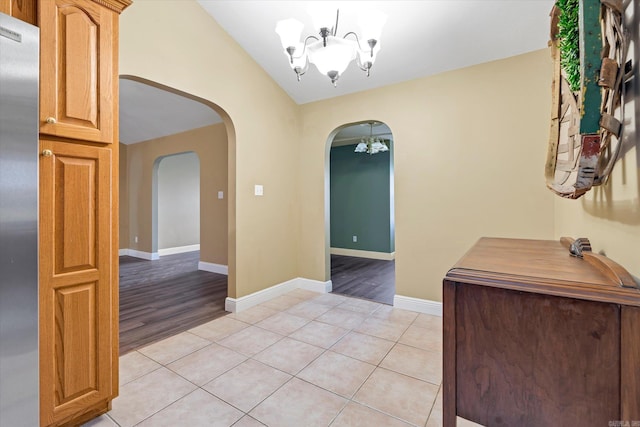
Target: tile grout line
{"points": [[366, 316], [434, 405], [165, 407], [325, 350]]}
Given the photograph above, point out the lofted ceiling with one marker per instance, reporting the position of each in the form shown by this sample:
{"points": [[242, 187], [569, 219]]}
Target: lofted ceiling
{"points": [[420, 38], [147, 112]]}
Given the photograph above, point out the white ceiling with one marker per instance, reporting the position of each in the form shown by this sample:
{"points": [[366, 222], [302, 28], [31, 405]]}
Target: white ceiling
{"points": [[420, 38], [147, 112]]}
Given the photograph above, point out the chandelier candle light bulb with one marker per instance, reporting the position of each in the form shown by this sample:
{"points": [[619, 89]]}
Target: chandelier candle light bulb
{"points": [[330, 54]]}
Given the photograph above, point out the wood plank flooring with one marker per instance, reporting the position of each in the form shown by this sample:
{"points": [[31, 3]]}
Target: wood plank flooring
{"points": [[162, 298], [370, 279]]}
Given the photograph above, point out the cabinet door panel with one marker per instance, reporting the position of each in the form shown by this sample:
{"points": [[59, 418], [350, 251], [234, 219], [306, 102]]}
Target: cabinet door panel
{"points": [[526, 359], [76, 283], [20, 9], [75, 225], [75, 318], [79, 67], [77, 82]]}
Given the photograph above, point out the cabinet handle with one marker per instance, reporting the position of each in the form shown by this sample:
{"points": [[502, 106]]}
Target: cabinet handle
{"points": [[47, 153], [51, 120]]}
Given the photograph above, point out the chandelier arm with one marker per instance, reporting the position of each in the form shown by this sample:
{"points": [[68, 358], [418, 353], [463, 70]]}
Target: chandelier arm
{"points": [[338, 61], [372, 43], [304, 47], [366, 69], [354, 35]]}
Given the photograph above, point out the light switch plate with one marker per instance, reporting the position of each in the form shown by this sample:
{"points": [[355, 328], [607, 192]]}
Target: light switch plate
{"points": [[259, 191], [220, 194]]}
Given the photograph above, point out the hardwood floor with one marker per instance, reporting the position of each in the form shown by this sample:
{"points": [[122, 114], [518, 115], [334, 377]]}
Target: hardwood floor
{"points": [[370, 279], [162, 298]]}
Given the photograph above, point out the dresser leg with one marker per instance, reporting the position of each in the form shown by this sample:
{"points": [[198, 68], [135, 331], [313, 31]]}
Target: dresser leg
{"points": [[449, 354]]}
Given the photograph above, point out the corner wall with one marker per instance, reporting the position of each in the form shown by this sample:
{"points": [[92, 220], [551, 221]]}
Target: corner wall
{"points": [[210, 144], [123, 205], [177, 44], [469, 149]]}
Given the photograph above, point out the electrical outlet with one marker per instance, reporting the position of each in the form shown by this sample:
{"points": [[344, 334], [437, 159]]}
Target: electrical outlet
{"points": [[355, 239]]}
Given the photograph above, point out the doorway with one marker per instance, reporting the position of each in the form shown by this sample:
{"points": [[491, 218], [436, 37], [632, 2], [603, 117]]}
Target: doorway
{"points": [[174, 210], [177, 179], [361, 211]]}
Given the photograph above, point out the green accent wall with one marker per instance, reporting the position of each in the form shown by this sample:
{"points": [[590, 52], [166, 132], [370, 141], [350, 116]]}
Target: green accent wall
{"points": [[361, 200]]}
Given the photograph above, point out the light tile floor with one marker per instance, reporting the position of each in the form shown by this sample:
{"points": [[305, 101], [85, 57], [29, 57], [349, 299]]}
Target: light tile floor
{"points": [[303, 359]]}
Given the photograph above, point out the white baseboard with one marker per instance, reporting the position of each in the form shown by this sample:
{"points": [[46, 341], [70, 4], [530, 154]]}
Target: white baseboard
{"points": [[139, 254], [178, 250], [315, 285], [416, 304], [235, 305], [213, 268], [363, 254]]}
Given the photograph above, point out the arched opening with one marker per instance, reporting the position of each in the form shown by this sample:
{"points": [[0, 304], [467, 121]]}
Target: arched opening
{"points": [[177, 179], [177, 205], [359, 211]]}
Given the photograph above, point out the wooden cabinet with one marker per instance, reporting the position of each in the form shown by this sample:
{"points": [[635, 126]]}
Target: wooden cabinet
{"points": [[76, 282], [25, 10], [78, 73], [536, 337], [78, 209]]}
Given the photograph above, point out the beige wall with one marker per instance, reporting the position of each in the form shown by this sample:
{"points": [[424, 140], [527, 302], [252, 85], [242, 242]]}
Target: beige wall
{"points": [[123, 209], [210, 144], [176, 44], [610, 215], [469, 147]]}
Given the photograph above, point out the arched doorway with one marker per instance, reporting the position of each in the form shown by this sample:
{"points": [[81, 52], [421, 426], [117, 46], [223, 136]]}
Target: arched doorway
{"points": [[206, 133], [360, 211], [177, 182]]}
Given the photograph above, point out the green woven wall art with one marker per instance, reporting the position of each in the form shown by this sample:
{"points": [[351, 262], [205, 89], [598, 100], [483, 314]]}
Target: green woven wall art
{"points": [[568, 37], [589, 46]]}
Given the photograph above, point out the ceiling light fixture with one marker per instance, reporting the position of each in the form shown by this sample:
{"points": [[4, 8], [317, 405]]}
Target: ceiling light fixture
{"points": [[329, 53], [371, 145]]}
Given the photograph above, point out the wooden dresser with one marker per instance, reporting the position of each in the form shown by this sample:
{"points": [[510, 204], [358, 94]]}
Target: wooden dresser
{"points": [[536, 337]]}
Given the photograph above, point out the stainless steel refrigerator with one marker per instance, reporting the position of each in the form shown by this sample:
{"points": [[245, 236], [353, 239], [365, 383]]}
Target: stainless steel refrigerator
{"points": [[19, 74]]}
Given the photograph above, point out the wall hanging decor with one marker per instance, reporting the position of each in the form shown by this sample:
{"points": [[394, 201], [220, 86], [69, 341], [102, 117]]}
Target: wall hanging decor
{"points": [[589, 46]]}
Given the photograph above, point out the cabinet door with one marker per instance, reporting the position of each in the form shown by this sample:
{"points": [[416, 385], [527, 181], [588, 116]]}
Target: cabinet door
{"points": [[78, 87], [77, 341], [527, 359], [21, 9]]}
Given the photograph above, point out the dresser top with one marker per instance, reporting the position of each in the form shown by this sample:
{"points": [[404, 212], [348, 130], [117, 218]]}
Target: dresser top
{"points": [[541, 266]]}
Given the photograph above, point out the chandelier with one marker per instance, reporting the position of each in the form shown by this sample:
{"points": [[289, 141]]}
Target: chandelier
{"points": [[371, 145], [331, 54]]}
